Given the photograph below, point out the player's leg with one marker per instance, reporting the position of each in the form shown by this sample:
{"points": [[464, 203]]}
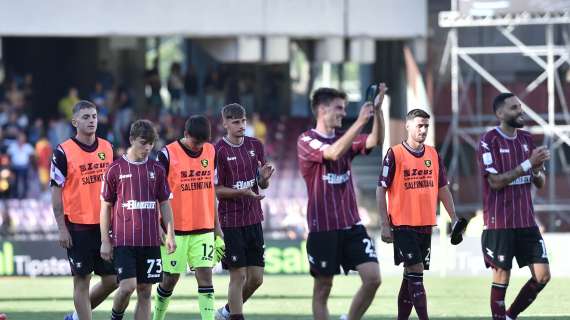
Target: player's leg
{"points": [[359, 253], [417, 290], [125, 262], [405, 304], [321, 290], [102, 289], [238, 278], [122, 295], [254, 280], [142, 309], [81, 296], [498, 252], [173, 265], [369, 273], [531, 251], [201, 258]]}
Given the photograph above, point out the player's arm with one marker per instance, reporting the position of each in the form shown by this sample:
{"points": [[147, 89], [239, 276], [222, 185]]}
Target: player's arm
{"points": [[538, 178], [104, 225], [167, 221], [537, 158], [445, 197], [387, 173], [57, 205], [58, 173], [223, 192], [376, 137], [264, 170], [217, 227], [341, 146]]}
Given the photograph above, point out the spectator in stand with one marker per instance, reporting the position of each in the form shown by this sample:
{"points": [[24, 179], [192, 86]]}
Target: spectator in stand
{"points": [[43, 156], [175, 85], [99, 98], [213, 87], [259, 127], [65, 105], [123, 117], [59, 131], [28, 91], [36, 131], [12, 128], [105, 77], [15, 96], [153, 85], [191, 90], [21, 154]]}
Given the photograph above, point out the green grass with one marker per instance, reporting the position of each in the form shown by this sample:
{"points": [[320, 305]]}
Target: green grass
{"points": [[289, 297]]}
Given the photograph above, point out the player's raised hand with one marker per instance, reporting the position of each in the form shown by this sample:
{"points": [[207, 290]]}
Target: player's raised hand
{"points": [[170, 244], [379, 99], [266, 170], [366, 112], [65, 238], [250, 193], [386, 233], [106, 250], [539, 156]]}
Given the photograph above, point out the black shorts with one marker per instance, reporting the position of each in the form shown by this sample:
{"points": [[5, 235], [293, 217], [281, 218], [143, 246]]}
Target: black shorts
{"points": [[329, 250], [85, 255], [244, 247], [411, 247], [144, 263], [501, 245]]}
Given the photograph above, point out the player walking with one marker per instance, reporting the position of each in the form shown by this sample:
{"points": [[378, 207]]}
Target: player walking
{"points": [[77, 169], [133, 185], [414, 177], [336, 236], [189, 164], [510, 164], [241, 171]]}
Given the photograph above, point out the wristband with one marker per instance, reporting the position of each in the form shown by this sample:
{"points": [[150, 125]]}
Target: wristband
{"points": [[525, 165]]}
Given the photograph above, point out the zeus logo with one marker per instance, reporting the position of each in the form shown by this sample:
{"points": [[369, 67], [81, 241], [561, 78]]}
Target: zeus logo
{"points": [[137, 205], [244, 184]]}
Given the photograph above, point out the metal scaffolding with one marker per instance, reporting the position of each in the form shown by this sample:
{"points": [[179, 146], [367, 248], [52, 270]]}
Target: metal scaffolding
{"points": [[550, 56]]}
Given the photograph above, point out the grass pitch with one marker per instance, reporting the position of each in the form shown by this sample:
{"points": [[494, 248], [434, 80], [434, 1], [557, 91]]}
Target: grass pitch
{"points": [[289, 297]]}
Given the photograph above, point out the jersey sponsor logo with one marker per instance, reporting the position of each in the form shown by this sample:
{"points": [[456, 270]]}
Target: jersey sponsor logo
{"points": [[232, 158], [333, 178], [93, 166], [520, 180], [92, 179], [204, 163], [416, 172], [427, 163], [138, 205], [196, 186], [195, 173], [244, 184], [101, 155], [501, 150]]}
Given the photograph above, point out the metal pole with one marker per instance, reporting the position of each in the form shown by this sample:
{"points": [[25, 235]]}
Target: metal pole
{"points": [[551, 112]]}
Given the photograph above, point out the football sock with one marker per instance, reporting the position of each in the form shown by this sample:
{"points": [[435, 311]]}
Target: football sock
{"points": [[498, 292], [161, 301], [237, 317], [525, 297], [117, 315], [405, 304], [417, 294], [206, 302]]}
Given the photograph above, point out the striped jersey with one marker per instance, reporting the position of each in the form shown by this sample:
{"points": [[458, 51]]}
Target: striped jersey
{"points": [[135, 189], [510, 207], [332, 201]]}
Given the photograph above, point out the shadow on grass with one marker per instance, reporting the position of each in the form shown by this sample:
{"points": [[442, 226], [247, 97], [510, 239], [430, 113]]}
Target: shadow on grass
{"points": [[185, 316]]}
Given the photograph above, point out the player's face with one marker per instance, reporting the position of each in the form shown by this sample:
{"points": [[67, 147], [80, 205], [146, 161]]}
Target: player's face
{"points": [[141, 148], [85, 120], [235, 127], [418, 129], [511, 113], [334, 113]]}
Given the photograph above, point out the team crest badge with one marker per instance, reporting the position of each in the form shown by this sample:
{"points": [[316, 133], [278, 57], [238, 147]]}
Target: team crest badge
{"points": [[204, 163], [151, 175], [427, 163], [101, 155], [173, 263]]}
